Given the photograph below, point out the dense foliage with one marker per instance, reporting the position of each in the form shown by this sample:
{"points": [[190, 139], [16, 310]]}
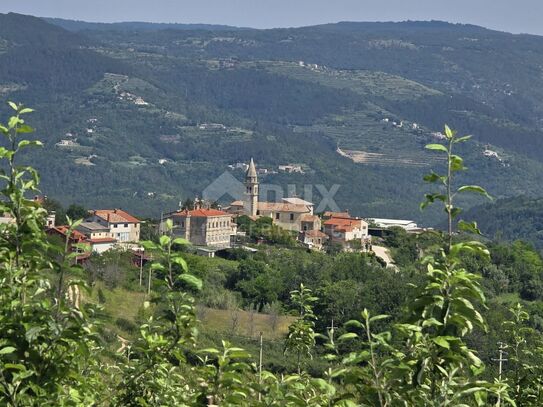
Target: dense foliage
{"points": [[52, 349], [510, 219]]}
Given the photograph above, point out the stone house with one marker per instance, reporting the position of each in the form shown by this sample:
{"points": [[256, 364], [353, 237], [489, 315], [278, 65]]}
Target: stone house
{"points": [[122, 226], [346, 230], [98, 235], [313, 239], [292, 214], [203, 227]]}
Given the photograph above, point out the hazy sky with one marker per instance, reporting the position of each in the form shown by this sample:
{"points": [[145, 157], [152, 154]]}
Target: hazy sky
{"points": [[508, 15]]}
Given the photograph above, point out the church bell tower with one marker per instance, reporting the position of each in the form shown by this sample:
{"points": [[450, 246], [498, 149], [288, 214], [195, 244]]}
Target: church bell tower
{"points": [[251, 191]]}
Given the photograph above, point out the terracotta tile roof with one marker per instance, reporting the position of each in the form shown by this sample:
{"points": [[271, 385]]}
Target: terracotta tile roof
{"points": [[63, 230], [201, 213], [282, 207], [115, 216], [344, 224], [237, 203], [297, 201], [315, 233], [329, 214], [340, 221], [309, 218], [99, 240]]}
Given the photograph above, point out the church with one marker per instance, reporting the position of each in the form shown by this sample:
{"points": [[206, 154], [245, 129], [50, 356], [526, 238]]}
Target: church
{"points": [[292, 214]]}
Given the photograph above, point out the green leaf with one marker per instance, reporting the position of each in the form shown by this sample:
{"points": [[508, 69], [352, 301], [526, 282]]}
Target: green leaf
{"points": [[193, 281], [470, 227], [455, 212], [209, 350], [25, 128], [347, 336], [441, 341], [14, 121], [437, 147], [157, 266], [433, 177], [180, 241], [26, 110], [457, 163], [461, 139], [354, 324], [6, 350], [164, 240], [13, 106], [474, 188], [448, 132], [431, 322], [379, 317], [180, 261], [148, 245]]}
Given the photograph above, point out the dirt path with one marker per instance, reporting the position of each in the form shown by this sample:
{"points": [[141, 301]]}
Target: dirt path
{"points": [[384, 254]]}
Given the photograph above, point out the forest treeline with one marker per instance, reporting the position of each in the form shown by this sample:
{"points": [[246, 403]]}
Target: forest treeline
{"points": [[419, 335]]}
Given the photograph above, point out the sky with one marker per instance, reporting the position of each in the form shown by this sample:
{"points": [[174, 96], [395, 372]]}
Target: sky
{"points": [[517, 16]]}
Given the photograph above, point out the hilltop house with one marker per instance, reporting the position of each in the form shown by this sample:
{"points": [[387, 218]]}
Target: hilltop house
{"points": [[103, 230], [313, 239], [346, 230], [98, 236], [292, 214], [122, 226], [203, 227], [76, 238]]}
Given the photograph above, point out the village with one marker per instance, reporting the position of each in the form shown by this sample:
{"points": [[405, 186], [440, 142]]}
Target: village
{"points": [[211, 228]]}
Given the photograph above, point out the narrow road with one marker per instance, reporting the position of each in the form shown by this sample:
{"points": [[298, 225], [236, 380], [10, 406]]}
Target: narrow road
{"points": [[384, 254]]}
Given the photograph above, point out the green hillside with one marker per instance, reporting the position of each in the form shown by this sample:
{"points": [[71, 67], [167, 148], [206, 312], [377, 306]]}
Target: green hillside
{"points": [[511, 219], [129, 102]]}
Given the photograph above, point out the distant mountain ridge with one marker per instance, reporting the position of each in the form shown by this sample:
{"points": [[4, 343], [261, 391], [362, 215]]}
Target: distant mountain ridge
{"points": [[77, 25], [123, 113]]}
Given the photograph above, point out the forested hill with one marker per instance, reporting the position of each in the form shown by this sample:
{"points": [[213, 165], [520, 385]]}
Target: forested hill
{"points": [[75, 25], [121, 107], [511, 219]]}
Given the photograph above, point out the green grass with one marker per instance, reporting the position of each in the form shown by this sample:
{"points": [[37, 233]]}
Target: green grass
{"points": [[239, 323], [121, 303]]}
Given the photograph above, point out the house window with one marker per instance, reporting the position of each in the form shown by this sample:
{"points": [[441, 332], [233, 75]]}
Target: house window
{"points": [[291, 216], [126, 225], [114, 225], [258, 212], [277, 216]]}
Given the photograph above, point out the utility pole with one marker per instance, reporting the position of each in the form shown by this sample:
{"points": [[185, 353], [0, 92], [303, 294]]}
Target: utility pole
{"points": [[149, 282], [331, 330], [260, 369], [141, 266], [501, 349]]}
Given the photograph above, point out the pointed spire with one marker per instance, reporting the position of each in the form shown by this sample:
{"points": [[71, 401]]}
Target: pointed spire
{"points": [[251, 172]]}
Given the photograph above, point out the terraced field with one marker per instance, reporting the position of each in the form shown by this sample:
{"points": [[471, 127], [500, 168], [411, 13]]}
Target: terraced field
{"points": [[390, 160], [367, 83]]}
